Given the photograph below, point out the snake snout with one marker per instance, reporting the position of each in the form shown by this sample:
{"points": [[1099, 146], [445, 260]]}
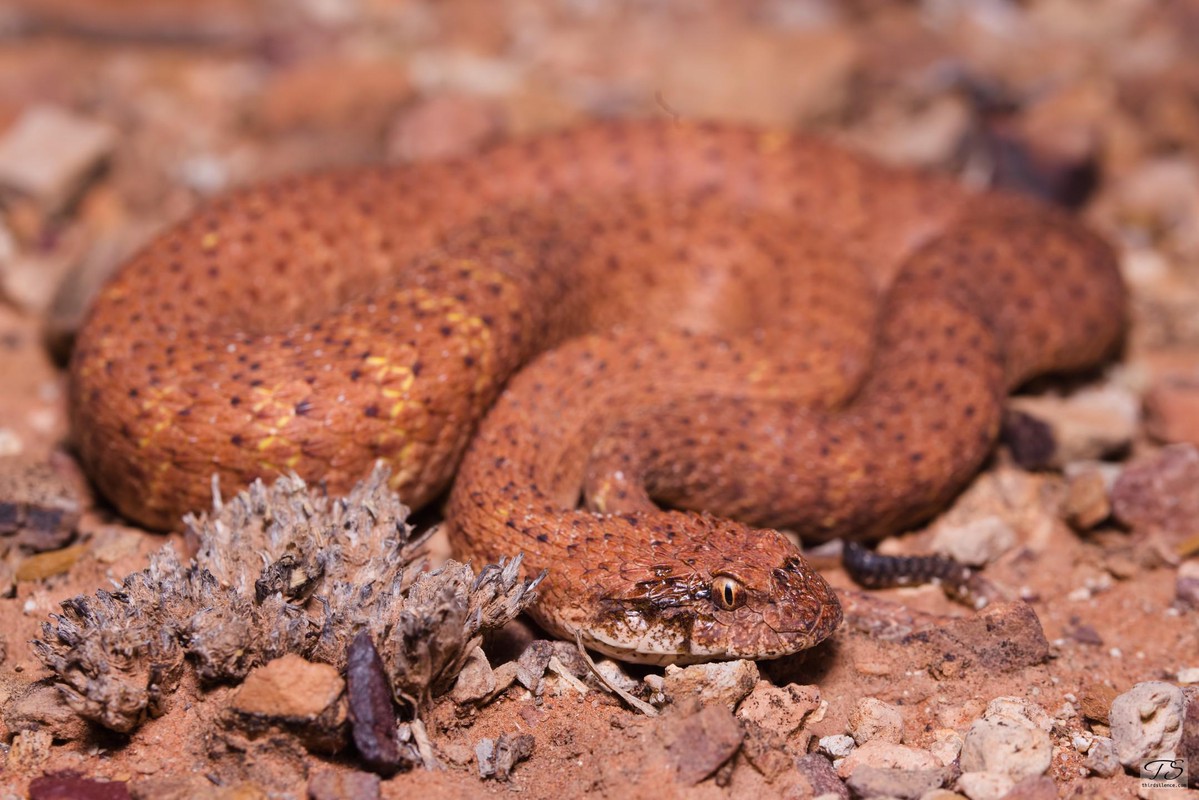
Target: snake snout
{"points": [[803, 609]]}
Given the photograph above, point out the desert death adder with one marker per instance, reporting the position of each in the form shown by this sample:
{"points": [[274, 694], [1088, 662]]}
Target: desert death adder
{"points": [[586, 328]]}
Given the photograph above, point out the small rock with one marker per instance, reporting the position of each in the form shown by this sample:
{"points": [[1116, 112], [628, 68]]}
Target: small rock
{"points": [[289, 687], [476, 680], [1086, 504], [1172, 411], [29, 751], [46, 565], [1146, 722], [1188, 745], [1101, 757], [1090, 424], [1188, 675], [444, 126], [868, 781], [496, 759], [767, 750], [330, 784], [1160, 493], [780, 709], [821, 776], [40, 706], [699, 743], [1096, 700], [984, 785], [947, 745], [1003, 637], [49, 152], [976, 543], [838, 746], [372, 711], [1186, 584], [614, 674], [1006, 741], [39, 505], [873, 719], [532, 664], [727, 682], [72, 786], [877, 753]]}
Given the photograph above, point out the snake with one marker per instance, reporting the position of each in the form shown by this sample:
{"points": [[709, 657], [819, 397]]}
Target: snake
{"points": [[638, 352]]}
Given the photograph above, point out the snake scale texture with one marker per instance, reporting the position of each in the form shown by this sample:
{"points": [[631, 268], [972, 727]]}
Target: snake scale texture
{"points": [[595, 330]]}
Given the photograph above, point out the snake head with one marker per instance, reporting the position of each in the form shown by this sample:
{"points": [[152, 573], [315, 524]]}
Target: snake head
{"points": [[726, 592]]}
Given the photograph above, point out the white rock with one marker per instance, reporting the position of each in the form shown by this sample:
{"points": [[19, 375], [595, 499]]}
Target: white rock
{"points": [[1101, 757], [871, 718], [1089, 424], [947, 745], [1011, 739], [984, 785], [877, 753], [725, 682], [1188, 675], [48, 152], [838, 746], [1146, 722], [782, 709], [976, 543]]}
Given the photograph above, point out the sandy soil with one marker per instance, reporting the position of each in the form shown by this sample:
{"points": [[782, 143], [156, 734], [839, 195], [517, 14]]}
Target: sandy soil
{"points": [[157, 104]]}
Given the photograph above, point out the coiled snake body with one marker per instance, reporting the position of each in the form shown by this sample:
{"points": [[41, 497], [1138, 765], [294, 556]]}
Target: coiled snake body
{"points": [[742, 322]]}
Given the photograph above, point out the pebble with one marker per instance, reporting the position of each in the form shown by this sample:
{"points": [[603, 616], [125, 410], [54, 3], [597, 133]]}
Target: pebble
{"points": [[984, 785], [1186, 584], [40, 506], [877, 753], [872, 719], [1003, 637], [1172, 411], [870, 781], [40, 706], [1160, 493], [49, 152], [698, 743], [1146, 722], [476, 680], [780, 709], [1089, 424], [838, 746], [1087, 503], [821, 776], [497, 758], [727, 682], [976, 543], [45, 565], [947, 745], [1012, 739], [1101, 757], [288, 687]]}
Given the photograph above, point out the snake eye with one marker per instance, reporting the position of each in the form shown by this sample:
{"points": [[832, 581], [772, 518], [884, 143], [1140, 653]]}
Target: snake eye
{"points": [[727, 592]]}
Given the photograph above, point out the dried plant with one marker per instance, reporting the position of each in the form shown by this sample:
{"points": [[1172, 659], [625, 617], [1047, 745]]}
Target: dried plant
{"points": [[279, 569]]}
